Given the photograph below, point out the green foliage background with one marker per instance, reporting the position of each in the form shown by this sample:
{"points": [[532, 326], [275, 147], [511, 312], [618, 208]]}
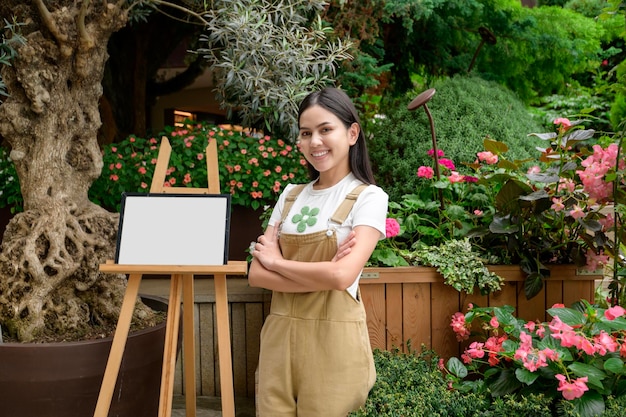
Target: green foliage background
{"points": [[465, 111]]}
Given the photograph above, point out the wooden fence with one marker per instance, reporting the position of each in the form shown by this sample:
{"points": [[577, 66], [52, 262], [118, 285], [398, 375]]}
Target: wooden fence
{"points": [[407, 303], [413, 303]]}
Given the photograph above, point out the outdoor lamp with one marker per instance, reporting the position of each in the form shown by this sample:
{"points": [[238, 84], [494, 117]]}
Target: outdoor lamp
{"points": [[416, 103]]}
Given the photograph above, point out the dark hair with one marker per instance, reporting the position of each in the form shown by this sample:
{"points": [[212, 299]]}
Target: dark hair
{"points": [[337, 102]]}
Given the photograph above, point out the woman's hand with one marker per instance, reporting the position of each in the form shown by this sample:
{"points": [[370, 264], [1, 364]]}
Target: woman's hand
{"points": [[345, 247], [266, 249]]}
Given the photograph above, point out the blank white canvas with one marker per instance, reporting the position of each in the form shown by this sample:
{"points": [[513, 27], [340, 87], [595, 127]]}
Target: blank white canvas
{"points": [[171, 229]]}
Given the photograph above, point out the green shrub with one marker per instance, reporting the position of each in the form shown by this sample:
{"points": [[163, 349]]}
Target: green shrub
{"points": [[465, 111], [412, 385], [253, 168]]}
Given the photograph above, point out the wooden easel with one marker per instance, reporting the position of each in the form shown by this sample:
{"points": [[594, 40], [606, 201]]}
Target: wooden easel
{"points": [[181, 289]]}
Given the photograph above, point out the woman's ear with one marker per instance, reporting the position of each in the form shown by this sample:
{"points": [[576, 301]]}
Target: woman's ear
{"points": [[353, 133]]}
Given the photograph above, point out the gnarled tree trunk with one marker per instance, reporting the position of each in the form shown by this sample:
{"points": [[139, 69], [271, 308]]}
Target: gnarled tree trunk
{"points": [[49, 278]]}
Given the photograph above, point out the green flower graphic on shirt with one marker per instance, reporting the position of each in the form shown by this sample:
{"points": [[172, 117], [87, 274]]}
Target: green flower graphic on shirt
{"points": [[305, 218]]}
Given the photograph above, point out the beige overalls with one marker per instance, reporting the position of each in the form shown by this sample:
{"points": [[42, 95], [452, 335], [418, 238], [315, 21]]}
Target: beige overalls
{"points": [[315, 359]]}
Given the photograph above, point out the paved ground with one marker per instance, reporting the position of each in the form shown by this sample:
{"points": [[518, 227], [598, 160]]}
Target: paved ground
{"points": [[211, 407]]}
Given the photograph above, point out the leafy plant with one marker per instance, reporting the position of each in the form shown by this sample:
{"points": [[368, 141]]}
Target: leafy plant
{"points": [[551, 212], [253, 167], [465, 110], [578, 356], [460, 266], [259, 51]]}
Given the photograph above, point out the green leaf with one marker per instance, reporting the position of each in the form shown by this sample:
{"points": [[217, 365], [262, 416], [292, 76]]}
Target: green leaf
{"points": [[615, 365], [506, 383], [533, 285], [457, 367], [589, 405], [524, 376], [567, 315], [594, 375]]}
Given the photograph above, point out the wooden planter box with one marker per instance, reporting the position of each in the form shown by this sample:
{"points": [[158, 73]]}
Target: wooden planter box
{"points": [[413, 303]]}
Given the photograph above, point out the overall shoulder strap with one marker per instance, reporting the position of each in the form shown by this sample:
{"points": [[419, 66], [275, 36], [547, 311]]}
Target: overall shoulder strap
{"points": [[291, 198], [344, 208]]}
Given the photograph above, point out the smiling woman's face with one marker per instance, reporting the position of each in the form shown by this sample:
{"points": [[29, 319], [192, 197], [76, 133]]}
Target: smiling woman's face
{"points": [[325, 142]]}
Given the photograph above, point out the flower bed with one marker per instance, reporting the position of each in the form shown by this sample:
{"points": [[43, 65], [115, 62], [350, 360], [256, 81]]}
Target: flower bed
{"points": [[413, 303]]}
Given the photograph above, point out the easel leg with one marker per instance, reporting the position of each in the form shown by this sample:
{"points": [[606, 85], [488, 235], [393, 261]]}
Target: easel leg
{"points": [[223, 344], [117, 347], [169, 352], [189, 341]]}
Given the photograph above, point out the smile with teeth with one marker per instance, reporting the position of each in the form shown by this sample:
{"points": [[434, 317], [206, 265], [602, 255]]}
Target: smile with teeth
{"points": [[318, 154]]}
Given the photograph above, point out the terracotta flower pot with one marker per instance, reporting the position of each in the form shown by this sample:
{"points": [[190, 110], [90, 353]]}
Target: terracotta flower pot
{"points": [[63, 379]]}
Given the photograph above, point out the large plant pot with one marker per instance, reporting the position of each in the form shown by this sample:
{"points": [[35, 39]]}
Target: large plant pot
{"points": [[63, 379]]}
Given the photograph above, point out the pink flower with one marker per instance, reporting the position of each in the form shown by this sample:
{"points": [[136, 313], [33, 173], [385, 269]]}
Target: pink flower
{"points": [[488, 157], [577, 212], [563, 123], [535, 169], [614, 312], [144, 185], [475, 350], [142, 170], [455, 177], [557, 204], [605, 343], [460, 327], [469, 178], [187, 178], [572, 390], [392, 227], [431, 152], [447, 163], [478, 212], [494, 322], [425, 172], [595, 260]]}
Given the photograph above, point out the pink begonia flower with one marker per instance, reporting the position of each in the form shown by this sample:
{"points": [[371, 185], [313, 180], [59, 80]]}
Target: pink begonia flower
{"points": [[425, 172], [469, 178], [572, 390], [448, 163], [431, 152], [614, 312], [535, 169], [566, 184], [455, 177], [392, 227], [487, 157], [604, 343], [557, 204], [541, 331], [595, 260], [530, 326], [475, 350], [459, 326], [585, 345], [494, 322], [577, 212], [478, 213], [607, 222], [563, 123]]}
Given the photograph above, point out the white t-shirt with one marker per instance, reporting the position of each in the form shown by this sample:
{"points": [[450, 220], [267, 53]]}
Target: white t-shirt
{"points": [[312, 210]]}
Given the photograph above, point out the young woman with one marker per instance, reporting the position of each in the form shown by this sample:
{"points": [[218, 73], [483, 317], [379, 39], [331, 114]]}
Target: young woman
{"points": [[315, 357]]}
